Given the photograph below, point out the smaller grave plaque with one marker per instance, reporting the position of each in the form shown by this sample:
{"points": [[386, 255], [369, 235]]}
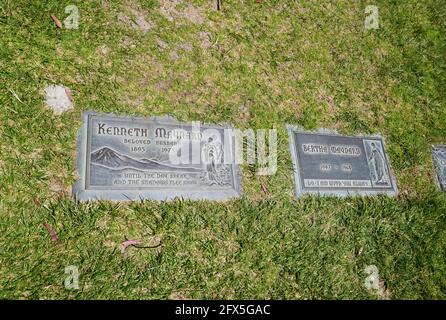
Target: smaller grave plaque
{"points": [[332, 164], [130, 158], [439, 157]]}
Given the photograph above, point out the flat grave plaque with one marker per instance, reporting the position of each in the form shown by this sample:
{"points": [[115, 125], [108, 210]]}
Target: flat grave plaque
{"points": [[332, 164], [439, 157], [130, 158]]}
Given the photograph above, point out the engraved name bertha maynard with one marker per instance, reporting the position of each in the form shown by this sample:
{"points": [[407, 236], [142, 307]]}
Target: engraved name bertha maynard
{"points": [[129, 158], [331, 164]]}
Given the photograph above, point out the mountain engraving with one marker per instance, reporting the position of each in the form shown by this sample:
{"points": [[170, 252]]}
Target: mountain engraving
{"points": [[114, 160]]}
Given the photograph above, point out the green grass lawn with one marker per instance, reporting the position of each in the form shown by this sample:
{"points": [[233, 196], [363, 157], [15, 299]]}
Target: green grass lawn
{"points": [[255, 65]]}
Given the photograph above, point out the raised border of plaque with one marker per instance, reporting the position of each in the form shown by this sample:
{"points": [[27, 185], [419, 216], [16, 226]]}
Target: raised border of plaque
{"points": [[101, 165], [346, 166], [439, 159]]}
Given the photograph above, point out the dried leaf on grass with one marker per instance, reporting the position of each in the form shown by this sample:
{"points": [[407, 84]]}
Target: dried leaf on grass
{"points": [[56, 21]]}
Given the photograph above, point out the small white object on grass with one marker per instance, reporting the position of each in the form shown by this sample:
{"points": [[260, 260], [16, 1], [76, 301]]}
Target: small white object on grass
{"points": [[58, 98]]}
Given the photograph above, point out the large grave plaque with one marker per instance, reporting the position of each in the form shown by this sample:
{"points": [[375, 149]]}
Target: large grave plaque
{"points": [[331, 164], [129, 158], [439, 156]]}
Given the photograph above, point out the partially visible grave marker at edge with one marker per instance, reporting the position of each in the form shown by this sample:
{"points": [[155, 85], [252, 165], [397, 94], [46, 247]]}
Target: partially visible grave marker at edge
{"points": [[439, 157], [332, 164], [129, 158]]}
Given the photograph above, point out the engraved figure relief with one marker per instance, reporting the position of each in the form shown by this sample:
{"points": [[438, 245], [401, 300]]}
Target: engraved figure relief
{"points": [[439, 155], [216, 172], [377, 164]]}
